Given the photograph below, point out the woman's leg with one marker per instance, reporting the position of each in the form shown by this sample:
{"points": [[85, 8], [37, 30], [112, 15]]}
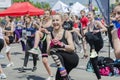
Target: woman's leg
{"points": [[17, 35], [35, 49], [1, 70], [65, 63], [2, 75], [38, 35], [94, 62], [28, 46], [47, 66], [7, 42], [26, 59], [61, 73], [116, 44], [90, 40], [34, 62]]}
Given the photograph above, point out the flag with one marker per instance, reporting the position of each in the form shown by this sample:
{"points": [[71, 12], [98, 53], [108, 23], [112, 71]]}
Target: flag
{"points": [[90, 6], [104, 9]]}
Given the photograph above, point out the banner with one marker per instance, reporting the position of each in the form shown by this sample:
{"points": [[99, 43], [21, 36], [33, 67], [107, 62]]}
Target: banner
{"points": [[90, 6], [104, 9]]}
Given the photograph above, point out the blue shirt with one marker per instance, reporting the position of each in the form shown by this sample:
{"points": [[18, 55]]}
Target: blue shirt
{"points": [[30, 31], [116, 23]]}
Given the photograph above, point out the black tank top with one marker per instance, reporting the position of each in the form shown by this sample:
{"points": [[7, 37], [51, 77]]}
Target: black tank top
{"points": [[50, 29], [64, 40], [97, 34]]}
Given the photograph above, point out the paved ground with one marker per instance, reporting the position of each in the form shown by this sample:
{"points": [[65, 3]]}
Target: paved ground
{"points": [[78, 73]]}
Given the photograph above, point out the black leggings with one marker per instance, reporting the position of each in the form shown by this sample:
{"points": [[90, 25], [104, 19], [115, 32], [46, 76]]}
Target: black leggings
{"points": [[95, 42], [94, 62], [29, 45], [66, 60], [1, 44]]}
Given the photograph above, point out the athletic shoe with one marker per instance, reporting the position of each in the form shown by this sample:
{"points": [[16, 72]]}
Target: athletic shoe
{"points": [[7, 49], [93, 54], [35, 51], [22, 69], [10, 64], [34, 69], [50, 78], [3, 76]]}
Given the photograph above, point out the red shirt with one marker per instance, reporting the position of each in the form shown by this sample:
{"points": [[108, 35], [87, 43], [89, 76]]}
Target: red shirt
{"points": [[84, 21], [75, 25]]}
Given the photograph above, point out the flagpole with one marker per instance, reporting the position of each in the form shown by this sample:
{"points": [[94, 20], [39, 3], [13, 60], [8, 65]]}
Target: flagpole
{"points": [[108, 26]]}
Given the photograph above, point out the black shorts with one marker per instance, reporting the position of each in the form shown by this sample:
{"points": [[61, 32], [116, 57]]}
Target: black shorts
{"points": [[44, 46], [11, 39]]}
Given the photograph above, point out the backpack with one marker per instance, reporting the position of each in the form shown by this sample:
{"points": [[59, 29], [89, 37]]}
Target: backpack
{"points": [[106, 66], [105, 61], [105, 71]]}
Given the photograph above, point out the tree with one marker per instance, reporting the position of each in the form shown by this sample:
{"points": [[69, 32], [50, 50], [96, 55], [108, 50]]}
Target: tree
{"points": [[96, 8], [18, 1], [37, 4], [117, 1]]}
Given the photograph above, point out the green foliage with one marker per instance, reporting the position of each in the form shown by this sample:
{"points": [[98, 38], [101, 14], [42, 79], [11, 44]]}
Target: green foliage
{"points": [[46, 5], [18, 0], [37, 4], [117, 1], [96, 8]]}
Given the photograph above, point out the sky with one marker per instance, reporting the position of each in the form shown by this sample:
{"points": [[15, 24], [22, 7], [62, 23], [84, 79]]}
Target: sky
{"points": [[52, 2]]}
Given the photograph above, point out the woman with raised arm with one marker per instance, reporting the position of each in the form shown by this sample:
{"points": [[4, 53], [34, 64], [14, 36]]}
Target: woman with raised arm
{"points": [[40, 37], [61, 48]]}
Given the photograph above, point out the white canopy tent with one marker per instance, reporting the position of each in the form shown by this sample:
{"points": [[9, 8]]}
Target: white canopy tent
{"points": [[61, 7], [77, 7]]}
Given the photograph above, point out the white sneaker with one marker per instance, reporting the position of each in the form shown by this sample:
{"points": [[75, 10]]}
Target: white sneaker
{"points": [[3, 76], [50, 78], [7, 49], [112, 50], [93, 54], [10, 64], [35, 51]]}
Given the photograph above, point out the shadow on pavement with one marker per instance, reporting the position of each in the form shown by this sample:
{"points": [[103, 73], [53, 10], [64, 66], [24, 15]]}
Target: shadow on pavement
{"points": [[16, 53], [3, 65], [33, 77], [81, 68], [53, 65]]}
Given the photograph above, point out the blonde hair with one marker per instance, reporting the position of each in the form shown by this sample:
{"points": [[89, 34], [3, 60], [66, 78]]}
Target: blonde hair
{"points": [[61, 16]]}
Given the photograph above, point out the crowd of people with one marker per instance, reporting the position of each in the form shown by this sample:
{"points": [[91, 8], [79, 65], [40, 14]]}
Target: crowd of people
{"points": [[57, 36]]}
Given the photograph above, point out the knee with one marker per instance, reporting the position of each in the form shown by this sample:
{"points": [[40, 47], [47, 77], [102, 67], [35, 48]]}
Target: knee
{"points": [[117, 54], [45, 60], [37, 32]]}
